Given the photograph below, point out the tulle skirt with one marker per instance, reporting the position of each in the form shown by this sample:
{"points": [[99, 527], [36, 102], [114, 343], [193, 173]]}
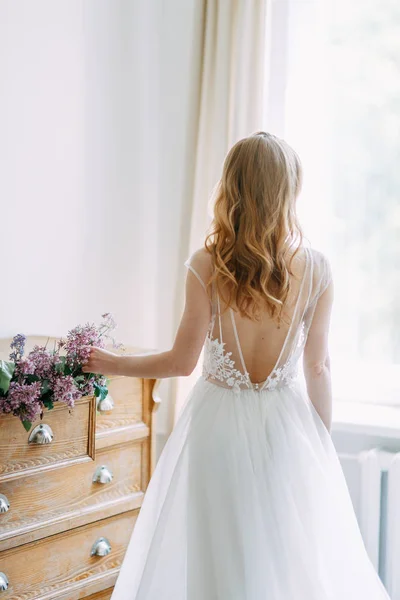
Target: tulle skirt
{"points": [[247, 502]]}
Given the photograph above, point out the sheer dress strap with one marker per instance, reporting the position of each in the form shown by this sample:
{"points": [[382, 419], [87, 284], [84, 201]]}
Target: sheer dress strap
{"points": [[203, 285], [219, 319], [237, 341], [289, 337], [195, 273]]}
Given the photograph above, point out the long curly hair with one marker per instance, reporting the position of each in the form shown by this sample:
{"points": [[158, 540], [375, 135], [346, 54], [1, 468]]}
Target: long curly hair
{"points": [[255, 233]]}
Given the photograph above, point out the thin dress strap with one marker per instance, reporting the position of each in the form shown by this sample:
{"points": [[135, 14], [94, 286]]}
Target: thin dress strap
{"points": [[237, 341], [219, 319], [195, 273], [211, 300], [306, 269]]}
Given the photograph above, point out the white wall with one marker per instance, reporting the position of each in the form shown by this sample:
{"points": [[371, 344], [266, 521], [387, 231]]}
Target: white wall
{"points": [[121, 168], [41, 165], [98, 129]]}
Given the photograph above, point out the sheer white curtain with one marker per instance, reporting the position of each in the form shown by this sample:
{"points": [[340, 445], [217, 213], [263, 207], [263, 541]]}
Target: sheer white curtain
{"points": [[328, 83], [232, 105], [342, 114]]}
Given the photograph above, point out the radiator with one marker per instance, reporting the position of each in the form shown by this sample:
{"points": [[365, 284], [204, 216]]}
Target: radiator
{"points": [[373, 479]]}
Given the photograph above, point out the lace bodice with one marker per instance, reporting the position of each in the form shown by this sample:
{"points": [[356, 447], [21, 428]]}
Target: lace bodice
{"points": [[221, 368]]}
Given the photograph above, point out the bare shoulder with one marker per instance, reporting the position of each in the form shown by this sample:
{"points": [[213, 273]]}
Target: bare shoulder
{"points": [[201, 262], [322, 271], [201, 257], [298, 262], [319, 257]]}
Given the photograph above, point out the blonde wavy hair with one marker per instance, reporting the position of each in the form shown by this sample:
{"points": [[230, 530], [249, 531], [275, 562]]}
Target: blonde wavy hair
{"points": [[255, 233]]}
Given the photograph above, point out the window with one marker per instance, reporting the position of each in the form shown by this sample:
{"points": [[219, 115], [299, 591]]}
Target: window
{"points": [[341, 112]]}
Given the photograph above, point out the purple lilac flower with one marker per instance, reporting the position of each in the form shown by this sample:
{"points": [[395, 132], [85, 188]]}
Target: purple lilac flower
{"points": [[87, 388], [42, 360], [23, 400], [77, 342], [17, 346], [65, 390], [25, 366], [4, 405]]}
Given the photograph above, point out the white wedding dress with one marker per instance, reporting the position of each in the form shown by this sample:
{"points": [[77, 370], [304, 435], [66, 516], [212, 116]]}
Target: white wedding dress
{"points": [[248, 500]]}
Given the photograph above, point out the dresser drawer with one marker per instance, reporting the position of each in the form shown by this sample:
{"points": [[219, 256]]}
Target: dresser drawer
{"points": [[61, 567], [124, 422], [53, 501], [73, 438]]}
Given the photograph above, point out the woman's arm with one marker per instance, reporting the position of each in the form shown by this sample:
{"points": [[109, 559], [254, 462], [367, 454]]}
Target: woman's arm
{"points": [[316, 358], [189, 340]]}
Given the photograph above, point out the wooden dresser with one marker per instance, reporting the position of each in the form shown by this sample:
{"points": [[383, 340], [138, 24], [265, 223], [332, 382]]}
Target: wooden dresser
{"points": [[68, 507]]}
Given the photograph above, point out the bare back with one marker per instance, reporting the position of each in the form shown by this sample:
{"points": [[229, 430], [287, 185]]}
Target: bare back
{"points": [[243, 353]]}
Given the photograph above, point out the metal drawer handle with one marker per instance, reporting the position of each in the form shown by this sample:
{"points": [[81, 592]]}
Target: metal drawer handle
{"points": [[102, 475], [106, 404], [3, 582], [101, 547], [4, 503], [41, 434]]}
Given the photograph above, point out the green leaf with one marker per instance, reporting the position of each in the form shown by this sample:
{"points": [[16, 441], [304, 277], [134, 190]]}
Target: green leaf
{"points": [[60, 367], [100, 391], [63, 368], [47, 398], [45, 386], [6, 372], [48, 402], [27, 425]]}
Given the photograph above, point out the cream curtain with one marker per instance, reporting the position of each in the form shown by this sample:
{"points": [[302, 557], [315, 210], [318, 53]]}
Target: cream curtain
{"points": [[234, 78]]}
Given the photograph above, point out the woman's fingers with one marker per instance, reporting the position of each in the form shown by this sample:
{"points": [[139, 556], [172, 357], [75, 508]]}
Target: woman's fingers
{"points": [[100, 361], [90, 365]]}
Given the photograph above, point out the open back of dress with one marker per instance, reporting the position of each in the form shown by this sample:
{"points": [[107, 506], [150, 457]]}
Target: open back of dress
{"points": [[243, 354]]}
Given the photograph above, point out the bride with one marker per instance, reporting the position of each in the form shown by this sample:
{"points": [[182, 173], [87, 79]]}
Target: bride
{"points": [[248, 500]]}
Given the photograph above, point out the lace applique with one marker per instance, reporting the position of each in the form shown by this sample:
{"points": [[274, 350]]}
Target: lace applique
{"points": [[302, 335], [219, 365], [285, 375]]}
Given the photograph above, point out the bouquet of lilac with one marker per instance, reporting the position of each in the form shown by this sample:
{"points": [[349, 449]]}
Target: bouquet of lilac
{"points": [[31, 383]]}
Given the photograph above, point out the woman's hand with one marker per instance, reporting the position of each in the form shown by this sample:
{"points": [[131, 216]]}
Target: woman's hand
{"points": [[101, 361]]}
